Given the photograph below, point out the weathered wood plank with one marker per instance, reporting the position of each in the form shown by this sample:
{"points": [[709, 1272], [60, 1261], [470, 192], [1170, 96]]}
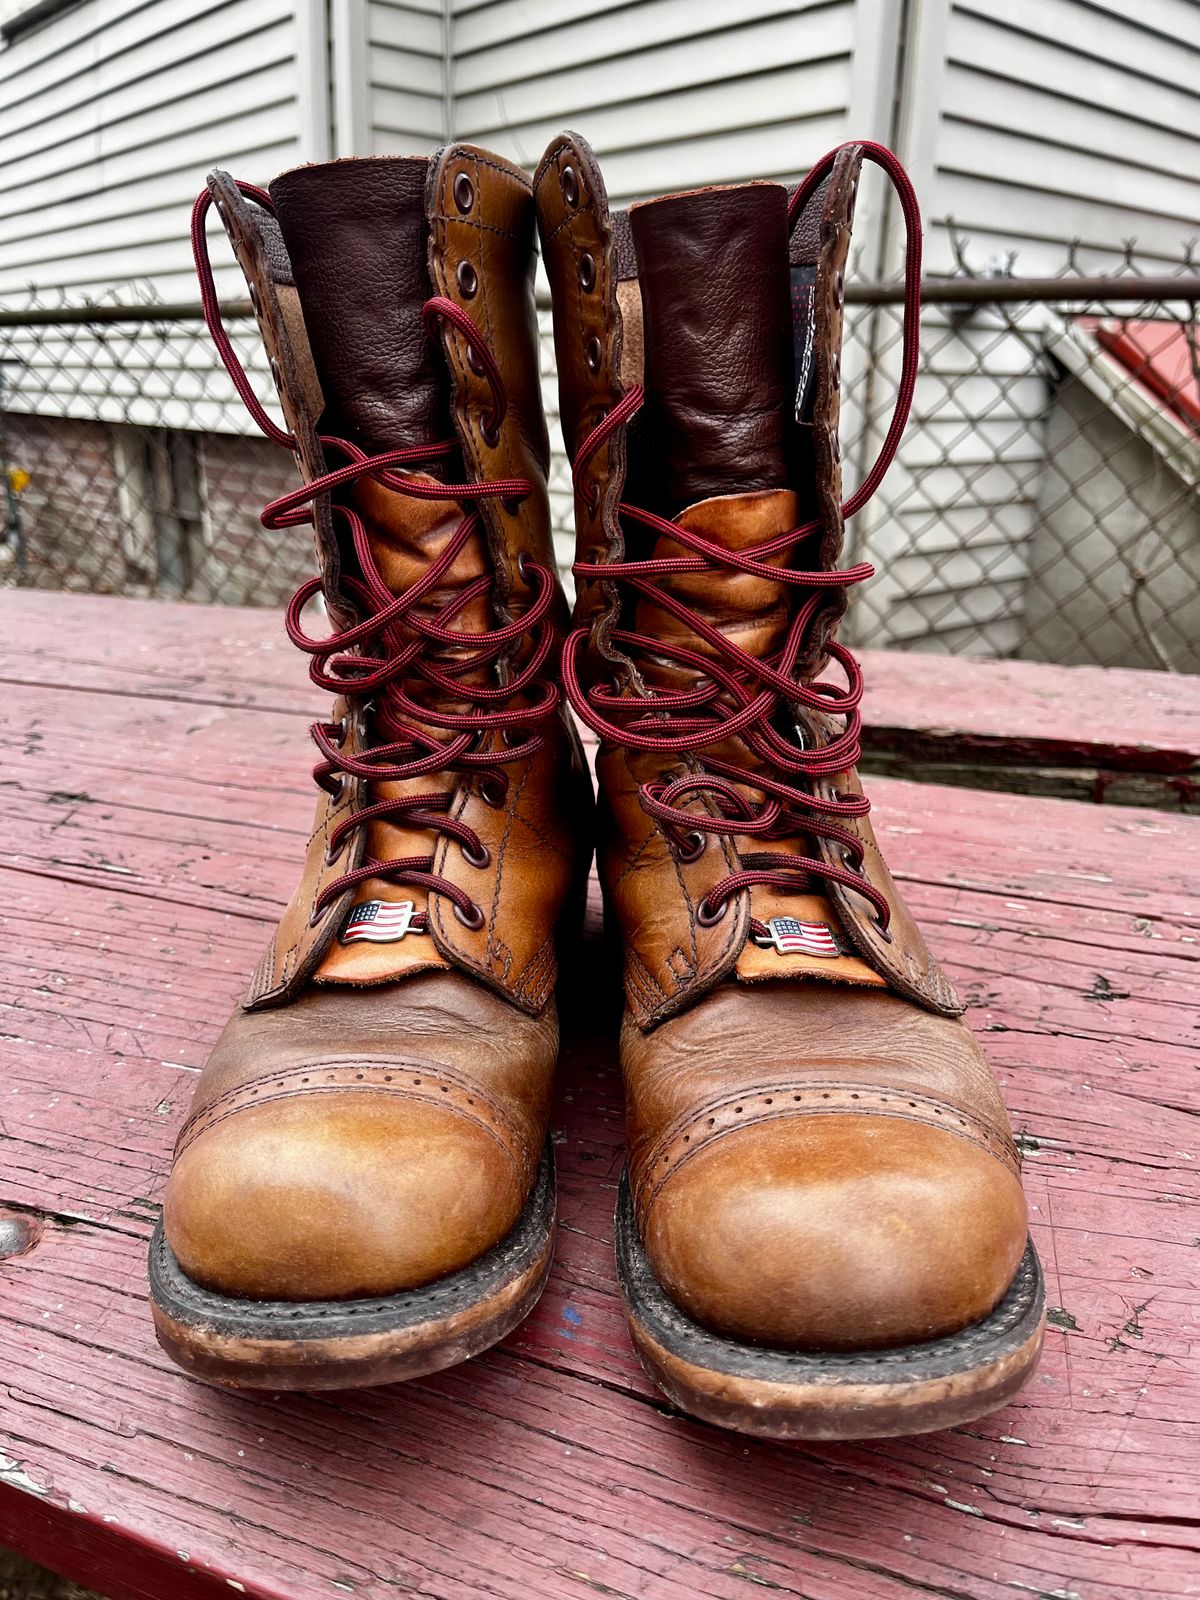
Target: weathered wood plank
{"points": [[550, 1467], [1085, 733], [1100, 734]]}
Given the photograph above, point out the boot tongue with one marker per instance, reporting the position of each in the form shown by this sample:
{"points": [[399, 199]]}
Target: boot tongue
{"points": [[357, 237], [712, 443], [713, 455], [713, 268]]}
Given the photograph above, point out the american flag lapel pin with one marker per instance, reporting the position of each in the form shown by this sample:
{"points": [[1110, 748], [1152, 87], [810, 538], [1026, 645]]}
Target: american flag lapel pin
{"points": [[791, 937], [379, 921]]}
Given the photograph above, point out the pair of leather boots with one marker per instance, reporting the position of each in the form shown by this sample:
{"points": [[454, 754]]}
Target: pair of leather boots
{"points": [[821, 1232]]}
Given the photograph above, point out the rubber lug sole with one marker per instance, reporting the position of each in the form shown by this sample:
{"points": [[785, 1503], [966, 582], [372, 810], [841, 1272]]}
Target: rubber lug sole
{"points": [[348, 1344], [872, 1394]]}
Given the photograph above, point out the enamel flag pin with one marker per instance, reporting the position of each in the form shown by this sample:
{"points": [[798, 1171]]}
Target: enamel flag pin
{"points": [[791, 937], [380, 922]]}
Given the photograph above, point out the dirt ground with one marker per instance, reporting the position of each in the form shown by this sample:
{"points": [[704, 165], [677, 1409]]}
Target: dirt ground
{"points": [[21, 1580]]}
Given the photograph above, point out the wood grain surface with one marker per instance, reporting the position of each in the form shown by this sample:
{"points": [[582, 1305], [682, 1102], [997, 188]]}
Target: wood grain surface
{"points": [[154, 796]]}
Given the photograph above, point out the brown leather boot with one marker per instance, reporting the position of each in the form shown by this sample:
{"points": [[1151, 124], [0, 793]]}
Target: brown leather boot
{"points": [[363, 1189], [822, 1232]]}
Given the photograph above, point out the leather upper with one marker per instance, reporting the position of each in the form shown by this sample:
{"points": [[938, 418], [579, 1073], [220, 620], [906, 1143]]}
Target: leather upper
{"points": [[822, 1166], [819, 1156], [536, 838], [372, 1118], [357, 1142]]}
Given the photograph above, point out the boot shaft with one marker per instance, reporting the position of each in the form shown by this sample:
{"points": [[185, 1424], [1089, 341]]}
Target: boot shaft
{"points": [[341, 275], [395, 300], [699, 353], [730, 318]]}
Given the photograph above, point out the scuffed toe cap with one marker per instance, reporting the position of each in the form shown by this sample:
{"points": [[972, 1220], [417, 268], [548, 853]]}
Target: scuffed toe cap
{"points": [[837, 1232], [339, 1194]]}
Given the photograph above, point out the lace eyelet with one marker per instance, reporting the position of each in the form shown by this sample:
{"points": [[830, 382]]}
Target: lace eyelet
{"points": [[885, 933], [467, 279], [255, 303], [464, 193], [708, 918], [523, 572], [692, 850], [493, 792], [587, 272], [592, 353], [318, 914], [490, 429], [472, 919], [337, 794], [343, 731], [475, 362], [331, 855], [483, 859], [592, 499], [570, 186]]}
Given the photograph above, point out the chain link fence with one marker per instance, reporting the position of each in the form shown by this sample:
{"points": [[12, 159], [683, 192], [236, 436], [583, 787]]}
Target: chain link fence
{"points": [[1043, 504]]}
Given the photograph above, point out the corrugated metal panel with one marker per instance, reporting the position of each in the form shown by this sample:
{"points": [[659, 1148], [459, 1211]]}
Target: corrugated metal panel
{"points": [[109, 118]]}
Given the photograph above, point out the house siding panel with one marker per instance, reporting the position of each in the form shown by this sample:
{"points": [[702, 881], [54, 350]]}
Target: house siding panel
{"points": [[111, 115], [408, 77], [669, 93]]}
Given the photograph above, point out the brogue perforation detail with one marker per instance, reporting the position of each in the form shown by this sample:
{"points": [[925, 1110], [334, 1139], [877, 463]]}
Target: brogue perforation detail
{"points": [[410, 1080], [797, 1098]]}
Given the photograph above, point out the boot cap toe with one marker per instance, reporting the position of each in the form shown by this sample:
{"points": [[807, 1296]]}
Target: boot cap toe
{"points": [[837, 1232], [338, 1195]]}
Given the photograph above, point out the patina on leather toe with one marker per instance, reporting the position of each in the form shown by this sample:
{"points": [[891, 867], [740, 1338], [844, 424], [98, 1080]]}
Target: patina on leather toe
{"points": [[849, 1183], [354, 1194], [843, 1231], [335, 1155]]}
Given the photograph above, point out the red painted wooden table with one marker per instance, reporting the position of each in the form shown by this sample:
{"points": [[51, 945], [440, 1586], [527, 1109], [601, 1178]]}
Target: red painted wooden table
{"points": [[155, 793]]}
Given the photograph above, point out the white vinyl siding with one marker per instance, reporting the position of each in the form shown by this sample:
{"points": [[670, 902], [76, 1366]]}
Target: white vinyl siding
{"points": [[111, 115], [408, 76], [670, 93], [1067, 120]]}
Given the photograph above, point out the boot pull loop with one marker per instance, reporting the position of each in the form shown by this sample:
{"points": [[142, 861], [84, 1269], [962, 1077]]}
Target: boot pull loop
{"points": [[212, 308]]}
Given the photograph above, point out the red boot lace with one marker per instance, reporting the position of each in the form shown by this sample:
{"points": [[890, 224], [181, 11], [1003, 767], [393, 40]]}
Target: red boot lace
{"points": [[679, 721], [395, 641]]}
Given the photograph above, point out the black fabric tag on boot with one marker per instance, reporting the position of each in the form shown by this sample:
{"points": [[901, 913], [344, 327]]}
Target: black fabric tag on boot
{"points": [[804, 283]]}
